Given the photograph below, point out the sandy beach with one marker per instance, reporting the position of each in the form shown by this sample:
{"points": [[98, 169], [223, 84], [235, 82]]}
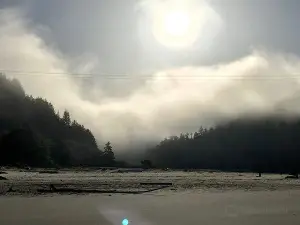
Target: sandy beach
{"points": [[28, 183], [193, 198]]}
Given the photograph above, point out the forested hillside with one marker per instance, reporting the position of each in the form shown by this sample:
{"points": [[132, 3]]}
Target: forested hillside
{"points": [[261, 145], [32, 133]]}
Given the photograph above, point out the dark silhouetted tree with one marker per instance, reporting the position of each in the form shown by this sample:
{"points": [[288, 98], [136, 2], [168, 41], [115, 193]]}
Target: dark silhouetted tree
{"points": [[146, 164], [66, 118], [108, 153], [32, 133]]}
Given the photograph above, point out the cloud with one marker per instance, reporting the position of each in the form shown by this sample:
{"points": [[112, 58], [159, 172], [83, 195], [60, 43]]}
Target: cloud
{"points": [[168, 102]]}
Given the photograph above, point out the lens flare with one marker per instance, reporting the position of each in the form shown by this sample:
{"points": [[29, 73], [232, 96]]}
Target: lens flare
{"points": [[125, 222]]}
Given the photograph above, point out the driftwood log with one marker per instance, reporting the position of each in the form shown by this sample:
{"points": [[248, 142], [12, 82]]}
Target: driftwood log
{"points": [[53, 189]]}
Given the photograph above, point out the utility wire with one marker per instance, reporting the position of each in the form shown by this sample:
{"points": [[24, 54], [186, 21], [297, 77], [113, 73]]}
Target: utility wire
{"points": [[128, 77]]}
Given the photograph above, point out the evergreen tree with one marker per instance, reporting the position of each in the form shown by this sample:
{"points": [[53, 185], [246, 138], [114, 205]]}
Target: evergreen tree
{"points": [[66, 118], [108, 153]]}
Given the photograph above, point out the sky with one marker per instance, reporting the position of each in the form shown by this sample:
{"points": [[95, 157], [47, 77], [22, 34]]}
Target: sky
{"points": [[238, 57]]}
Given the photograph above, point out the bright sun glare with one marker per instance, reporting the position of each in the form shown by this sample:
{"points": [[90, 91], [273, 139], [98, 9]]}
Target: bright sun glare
{"points": [[176, 23]]}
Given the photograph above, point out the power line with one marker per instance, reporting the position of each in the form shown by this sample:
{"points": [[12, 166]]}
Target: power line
{"points": [[22, 72], [128, 77]]}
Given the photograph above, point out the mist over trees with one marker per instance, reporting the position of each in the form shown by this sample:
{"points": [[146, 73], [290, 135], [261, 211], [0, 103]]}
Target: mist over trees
{"points": [[32, 133], [258, 145]]}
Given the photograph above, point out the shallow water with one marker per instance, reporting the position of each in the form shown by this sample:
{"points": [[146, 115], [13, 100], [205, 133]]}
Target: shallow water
{"points": [[165, 208]]}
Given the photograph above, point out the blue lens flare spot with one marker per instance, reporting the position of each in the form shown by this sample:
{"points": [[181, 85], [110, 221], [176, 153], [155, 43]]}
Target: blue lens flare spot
{"points": [[125, 222]]}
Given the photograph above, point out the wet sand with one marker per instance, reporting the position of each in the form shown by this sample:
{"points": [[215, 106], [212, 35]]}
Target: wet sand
{"points": [[200, 197], [163, 208]]}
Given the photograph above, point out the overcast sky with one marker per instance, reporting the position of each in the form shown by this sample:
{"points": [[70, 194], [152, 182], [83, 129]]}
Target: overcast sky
{"points": [[94, 27], [113, 37]]}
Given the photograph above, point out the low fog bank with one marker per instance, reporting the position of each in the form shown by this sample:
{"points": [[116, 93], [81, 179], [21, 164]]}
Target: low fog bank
{"points": [[166, 103]]}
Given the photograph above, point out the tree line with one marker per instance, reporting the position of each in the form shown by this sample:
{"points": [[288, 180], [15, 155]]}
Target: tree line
{"points": [[32, 133], [269, 144]]}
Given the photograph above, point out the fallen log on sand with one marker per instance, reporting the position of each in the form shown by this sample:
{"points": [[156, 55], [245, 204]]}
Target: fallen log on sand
{"points": [[151, 183], [3, 178], [53, 189]]}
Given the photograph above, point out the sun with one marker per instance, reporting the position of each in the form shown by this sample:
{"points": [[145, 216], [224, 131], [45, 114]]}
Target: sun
{"points": [[180, 24], [176, 23]]}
